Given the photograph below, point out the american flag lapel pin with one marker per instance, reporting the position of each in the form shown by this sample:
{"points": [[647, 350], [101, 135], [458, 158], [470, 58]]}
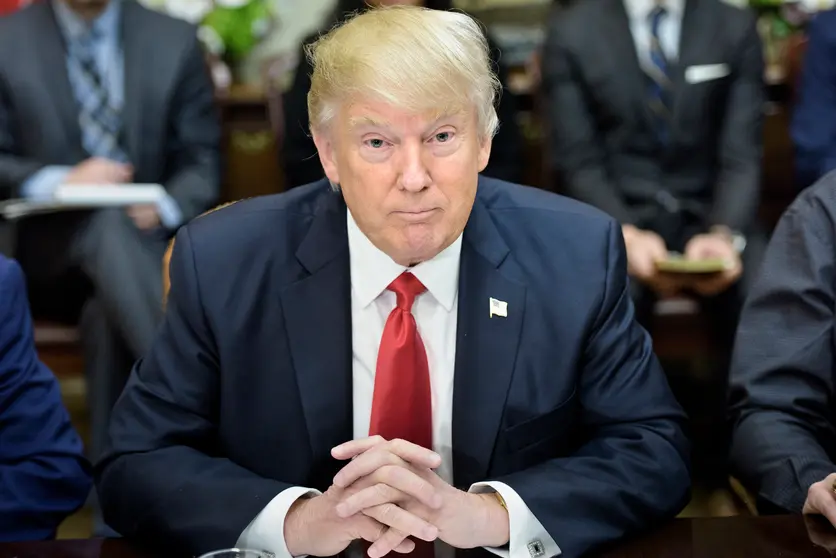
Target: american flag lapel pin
{"points": [[498, 308]]}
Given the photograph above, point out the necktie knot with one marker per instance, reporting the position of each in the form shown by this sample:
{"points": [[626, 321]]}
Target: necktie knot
{"points": [[406, 287]]}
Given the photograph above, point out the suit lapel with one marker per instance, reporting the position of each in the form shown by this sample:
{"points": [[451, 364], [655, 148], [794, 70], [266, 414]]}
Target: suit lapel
{"points": [[486, 347], [626, 65], [52, 60], [136, 53], [317, 312]]}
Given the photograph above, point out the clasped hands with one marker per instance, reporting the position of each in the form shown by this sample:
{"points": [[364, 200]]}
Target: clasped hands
{"points": [[386, 493], [646, 248]]}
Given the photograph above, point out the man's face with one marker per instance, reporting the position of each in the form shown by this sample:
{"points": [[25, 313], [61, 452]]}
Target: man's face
{"points": [[408, 179], [88, 9]]}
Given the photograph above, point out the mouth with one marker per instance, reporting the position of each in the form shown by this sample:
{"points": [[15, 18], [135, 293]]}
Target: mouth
{"points": [[415, 216]]}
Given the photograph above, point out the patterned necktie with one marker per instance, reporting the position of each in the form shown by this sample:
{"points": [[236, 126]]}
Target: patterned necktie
{"points": [[101, 124], [402, 402], [660, 85]]}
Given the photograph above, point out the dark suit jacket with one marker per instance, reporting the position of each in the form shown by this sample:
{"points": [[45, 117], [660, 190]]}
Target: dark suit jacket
{"points": [[301, 162], [43, 474], [248, 386], [814, 118], [782, 376], [603, 138], [173, 132]]}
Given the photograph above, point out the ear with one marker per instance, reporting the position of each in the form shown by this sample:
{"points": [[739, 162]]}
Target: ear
{"points": [[485, 152], [327, 154]]}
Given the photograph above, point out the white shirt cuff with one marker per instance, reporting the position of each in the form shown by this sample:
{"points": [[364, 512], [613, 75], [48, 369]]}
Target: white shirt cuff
{"points": [[170, 215], [266, 531], [528, 537]]}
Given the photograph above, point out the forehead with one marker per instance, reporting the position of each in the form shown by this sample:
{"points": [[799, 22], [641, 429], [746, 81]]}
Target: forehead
{"points": [[374, 114]]}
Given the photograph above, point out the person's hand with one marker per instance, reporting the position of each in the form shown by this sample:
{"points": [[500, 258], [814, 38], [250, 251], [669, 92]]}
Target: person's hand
{"points": [[98, 170], [395, 481], [821, 499], [144, 216], [644, 249], [313, 528], [715, 245]]}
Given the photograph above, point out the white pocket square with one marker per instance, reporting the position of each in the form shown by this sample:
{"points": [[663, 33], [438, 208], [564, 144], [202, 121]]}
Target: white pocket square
{"points": [[706, 72]]}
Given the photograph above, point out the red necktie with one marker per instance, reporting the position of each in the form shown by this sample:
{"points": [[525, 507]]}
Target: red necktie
{"points": [[402, 403]]}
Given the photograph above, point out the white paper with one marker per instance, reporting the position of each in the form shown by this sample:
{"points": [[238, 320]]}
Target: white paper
{"points": [[84, 196]]}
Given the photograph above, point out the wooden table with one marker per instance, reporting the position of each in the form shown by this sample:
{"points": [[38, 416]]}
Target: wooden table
{"points": [[730, 537]]}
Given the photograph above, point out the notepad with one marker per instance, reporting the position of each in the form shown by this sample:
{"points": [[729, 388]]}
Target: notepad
{"points": [[85, 196], [678, 264]]}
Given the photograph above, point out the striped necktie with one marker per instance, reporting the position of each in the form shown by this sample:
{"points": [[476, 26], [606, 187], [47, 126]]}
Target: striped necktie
{"points": [[660, 83], [101, 123]]}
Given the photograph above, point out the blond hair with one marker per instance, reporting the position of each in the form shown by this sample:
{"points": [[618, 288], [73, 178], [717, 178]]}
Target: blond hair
{"points": [[412, 58]]}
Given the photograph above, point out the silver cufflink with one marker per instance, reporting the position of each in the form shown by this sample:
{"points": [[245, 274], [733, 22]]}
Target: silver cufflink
{"points": [[535, 549]]}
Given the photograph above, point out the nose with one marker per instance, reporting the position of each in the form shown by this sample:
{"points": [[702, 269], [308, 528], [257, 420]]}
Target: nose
{"points": [[415, 175]]}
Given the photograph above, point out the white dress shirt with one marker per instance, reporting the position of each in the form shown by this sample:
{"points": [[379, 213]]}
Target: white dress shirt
{"points": [[436, 313], [670, 28]]}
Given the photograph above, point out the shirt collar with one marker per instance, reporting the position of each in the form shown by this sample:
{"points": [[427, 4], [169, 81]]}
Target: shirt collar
{"points": [[74, 27], [372, 270], [640, 9]]}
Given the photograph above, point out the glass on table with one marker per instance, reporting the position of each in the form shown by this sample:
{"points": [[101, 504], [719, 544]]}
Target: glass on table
{"points": [[238, 553]]}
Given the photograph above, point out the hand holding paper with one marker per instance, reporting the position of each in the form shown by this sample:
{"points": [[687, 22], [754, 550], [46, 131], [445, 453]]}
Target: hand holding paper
{"points": [[97, 170]]}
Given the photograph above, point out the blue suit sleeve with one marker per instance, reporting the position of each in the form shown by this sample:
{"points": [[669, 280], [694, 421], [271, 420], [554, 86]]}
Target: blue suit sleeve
{"points": [[813, 125], [161, 475], [633, 469], [44, 476]]}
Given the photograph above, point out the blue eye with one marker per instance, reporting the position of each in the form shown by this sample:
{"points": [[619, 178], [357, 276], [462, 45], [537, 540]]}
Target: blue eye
{"points": [[376, 143], [443, 137]]}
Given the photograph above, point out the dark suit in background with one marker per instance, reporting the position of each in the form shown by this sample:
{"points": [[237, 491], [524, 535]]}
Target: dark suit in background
{"points": [[301, 162], [44, 476], [705, 173], [814, 118], [170, 134], [783, 378], [249, 385]]}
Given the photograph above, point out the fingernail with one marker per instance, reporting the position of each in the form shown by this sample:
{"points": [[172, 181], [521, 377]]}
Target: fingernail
{"points": [[430, 533]]}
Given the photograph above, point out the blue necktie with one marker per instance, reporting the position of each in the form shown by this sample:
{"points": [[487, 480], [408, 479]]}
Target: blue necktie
{"points": [[101, 124], [660, 85]]}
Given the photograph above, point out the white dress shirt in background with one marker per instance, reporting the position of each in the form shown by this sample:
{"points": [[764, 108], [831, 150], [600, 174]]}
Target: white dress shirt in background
{"points": [[670, 28], [436, 313]]}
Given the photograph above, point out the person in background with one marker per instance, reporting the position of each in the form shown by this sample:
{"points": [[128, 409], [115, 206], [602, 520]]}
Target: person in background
{"points": [[406, 349], [783, 380], [813, 126], [299, 160], [44, 476], [109, 92], [656, 111]]}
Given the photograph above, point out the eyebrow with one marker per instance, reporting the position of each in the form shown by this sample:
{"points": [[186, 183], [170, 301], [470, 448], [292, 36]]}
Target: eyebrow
{"points": [[370, 122]]}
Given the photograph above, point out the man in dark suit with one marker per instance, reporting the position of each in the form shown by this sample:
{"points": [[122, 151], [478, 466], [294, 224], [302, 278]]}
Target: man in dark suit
{"points": [[782, 377], [814, 117], [44, 476], [508, 401], [105, 92], [655, 112]]}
